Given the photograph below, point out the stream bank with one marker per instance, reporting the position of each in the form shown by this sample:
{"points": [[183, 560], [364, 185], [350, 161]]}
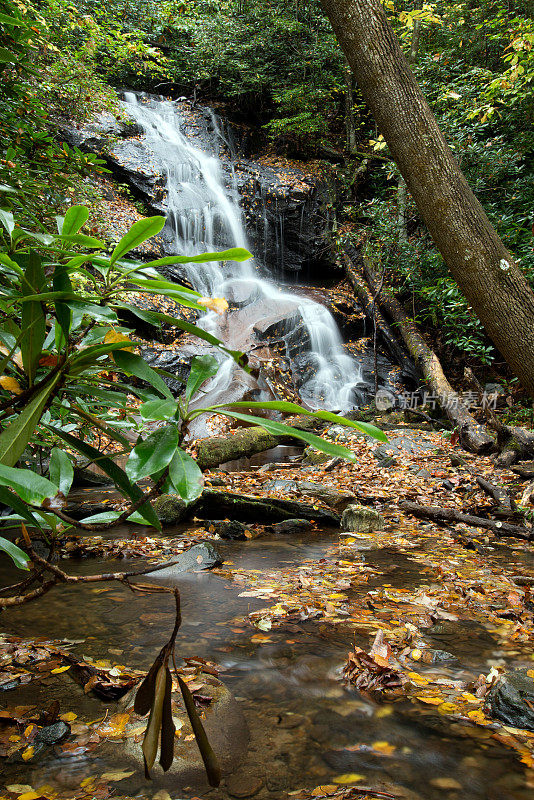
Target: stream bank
{"points": [[277, 621]]}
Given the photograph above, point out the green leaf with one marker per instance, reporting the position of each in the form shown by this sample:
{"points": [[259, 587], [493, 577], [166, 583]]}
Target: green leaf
{"points": [[62, 283], [117, 475], [153, 454], [33, 321], [139, 232], [132, 364], [81, 238], [18, 433], [111, 516], [158, 409], [18, 556], [293, 408], [74, 219], [202, 368], [61, 471], [186, 476], [7, 220], [154, 317], [9, 498], [279, 429], [234, 254], [30, 487], [182, 297], [102, 313]]}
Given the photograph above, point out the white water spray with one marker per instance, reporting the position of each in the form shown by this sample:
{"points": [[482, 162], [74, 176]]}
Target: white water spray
{"points": [[205, 216]]}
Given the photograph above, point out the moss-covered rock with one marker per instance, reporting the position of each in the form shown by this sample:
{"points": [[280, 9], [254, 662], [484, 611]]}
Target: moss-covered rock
{"points": [[313, 457], [170, 509], [361, 519]]}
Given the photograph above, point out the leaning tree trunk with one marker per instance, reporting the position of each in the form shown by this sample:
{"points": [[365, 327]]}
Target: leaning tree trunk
{"points": [[472, 250], [473, 436]]}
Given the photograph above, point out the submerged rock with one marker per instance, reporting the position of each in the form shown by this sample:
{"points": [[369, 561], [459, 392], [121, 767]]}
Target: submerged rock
{"points": [[511, 699], [197, 558], [226, 529], [170, 509], [290, 526], [361, 519], [227, 732]]}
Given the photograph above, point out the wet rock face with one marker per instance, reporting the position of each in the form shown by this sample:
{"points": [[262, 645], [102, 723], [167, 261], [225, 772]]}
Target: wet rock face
{"points": [[287, 215], [512, 699], [287, 212]]}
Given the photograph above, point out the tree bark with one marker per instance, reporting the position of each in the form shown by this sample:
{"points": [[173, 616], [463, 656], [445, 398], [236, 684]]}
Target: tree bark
{"points": [[477, 259]]}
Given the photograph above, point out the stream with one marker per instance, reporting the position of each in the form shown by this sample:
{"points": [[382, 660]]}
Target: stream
{"points": [[306, 727]]}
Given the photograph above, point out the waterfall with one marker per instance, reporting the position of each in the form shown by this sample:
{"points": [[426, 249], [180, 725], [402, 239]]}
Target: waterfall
{"points": [[204, 215]]}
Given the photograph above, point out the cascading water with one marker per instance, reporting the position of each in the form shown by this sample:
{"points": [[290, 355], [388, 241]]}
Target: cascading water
{"points": [[204, 215]]}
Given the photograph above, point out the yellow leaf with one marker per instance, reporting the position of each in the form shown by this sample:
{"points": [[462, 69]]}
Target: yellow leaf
{"points": [[384, 747], [115, 725], [69, 716], [385, 711], [217, 304], [478, 717], [420, 680], [349, 777], [10, 384], [28, 730], [321, 791], [113, 336], [115, 776], [87, 782], [416, 654], [28, 753], [448, 708], [28, 795], [446, 783], [432, 701], [60, 669], [530, 673]]}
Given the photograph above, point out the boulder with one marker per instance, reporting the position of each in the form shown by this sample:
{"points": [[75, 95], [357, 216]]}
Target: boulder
{"points": [[170, 509], [328, 494], [313, 457], [227, 732], [197, 558], [291, 526], [361, 519], [511, 699], [226, 529]]}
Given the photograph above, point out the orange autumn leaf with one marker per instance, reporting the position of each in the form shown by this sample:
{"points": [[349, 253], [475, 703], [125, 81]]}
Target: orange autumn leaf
{"points": [[10, 384]]}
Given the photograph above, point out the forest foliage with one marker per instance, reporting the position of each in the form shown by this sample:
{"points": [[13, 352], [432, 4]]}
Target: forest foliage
{"points": [[277, 65]]}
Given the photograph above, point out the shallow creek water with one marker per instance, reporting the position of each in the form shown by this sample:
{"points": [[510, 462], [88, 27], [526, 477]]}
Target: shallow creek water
{"points": [[302, 718]]}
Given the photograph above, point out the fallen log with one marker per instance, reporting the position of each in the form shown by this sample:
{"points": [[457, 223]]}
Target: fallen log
{"points": [[242, 443], [228, 505], [514, 444], [453, 515], [473, 436]]}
